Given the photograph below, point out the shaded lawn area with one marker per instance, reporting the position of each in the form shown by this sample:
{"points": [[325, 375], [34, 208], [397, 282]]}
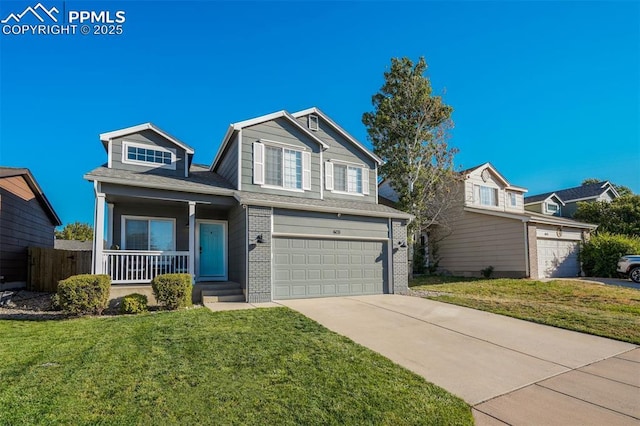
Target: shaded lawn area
{"points": [[260, 366], [590, 308]]}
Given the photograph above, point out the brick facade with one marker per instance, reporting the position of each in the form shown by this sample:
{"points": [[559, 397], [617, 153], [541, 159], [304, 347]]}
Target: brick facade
{"points": [[533, 251], [259, 274], [400, 260]]}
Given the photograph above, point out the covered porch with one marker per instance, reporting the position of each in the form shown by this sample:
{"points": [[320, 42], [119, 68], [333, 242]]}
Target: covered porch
{"points": [[141, 233]]}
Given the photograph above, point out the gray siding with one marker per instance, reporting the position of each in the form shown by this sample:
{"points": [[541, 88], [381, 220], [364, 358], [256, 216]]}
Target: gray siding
{"points": [[23, 223], [479, 241], [238, 246], [228, 166], [324, 224], [147, 137], [165, 210], [342, 149], [279, 130]]}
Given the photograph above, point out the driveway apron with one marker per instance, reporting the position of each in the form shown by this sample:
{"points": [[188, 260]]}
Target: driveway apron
{"points": [[511, 371]]}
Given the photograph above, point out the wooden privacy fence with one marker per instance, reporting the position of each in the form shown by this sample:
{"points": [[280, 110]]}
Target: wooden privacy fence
{"points": [[47, 266]]}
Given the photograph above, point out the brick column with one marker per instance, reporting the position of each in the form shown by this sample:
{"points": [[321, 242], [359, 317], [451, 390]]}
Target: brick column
{"points": [[400, 260], [259, 274], [532, 241]]}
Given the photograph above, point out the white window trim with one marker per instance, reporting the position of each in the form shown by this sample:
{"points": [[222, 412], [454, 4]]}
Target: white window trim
{"points": [[546, 207], [123, 236], [363, 167], [125, 159], [477, 198], [507, 200], [302, 150]]}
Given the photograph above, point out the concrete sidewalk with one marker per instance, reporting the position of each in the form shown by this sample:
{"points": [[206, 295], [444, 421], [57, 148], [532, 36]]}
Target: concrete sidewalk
{"points": [[512, 371]]}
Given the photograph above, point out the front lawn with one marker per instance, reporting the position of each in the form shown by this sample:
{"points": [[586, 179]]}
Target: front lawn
{"points": [[261, 366], [590, 308]]}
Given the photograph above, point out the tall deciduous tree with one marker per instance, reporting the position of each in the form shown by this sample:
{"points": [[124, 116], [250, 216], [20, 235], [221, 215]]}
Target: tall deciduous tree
{"points": [[75, 231], [620, 216], [409, 128]]}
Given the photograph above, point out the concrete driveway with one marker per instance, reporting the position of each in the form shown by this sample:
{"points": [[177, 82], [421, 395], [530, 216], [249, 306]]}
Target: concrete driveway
{"points": [[511, 371]]}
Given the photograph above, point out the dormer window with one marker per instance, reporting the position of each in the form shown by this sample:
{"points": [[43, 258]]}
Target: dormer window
{"points": [[147, 155], [552, 208], [313, 122]]}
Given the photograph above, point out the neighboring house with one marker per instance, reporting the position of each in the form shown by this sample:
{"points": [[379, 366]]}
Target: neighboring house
{"points": [[565, 201], [492, 228], [26, 219], [287, 209], [73, 245]]}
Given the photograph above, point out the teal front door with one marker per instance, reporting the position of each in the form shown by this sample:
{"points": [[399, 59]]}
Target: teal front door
{"points": [[212, 251]]}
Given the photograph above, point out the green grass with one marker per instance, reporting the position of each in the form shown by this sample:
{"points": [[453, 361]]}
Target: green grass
{"points": [[590, 308], [261, 366]]}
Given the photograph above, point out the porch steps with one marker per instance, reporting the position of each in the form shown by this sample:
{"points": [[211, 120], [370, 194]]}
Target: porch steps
{"points": [[221, 292]]}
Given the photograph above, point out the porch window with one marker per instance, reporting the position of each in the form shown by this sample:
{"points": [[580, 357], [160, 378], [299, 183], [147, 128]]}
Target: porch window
{"points": [[149, 234]]}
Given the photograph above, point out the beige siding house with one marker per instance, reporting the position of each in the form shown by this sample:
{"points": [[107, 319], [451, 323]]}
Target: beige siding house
{"points": [[493, 229]]}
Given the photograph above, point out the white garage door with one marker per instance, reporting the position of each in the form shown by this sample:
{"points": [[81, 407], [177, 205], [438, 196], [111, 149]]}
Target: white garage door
{"points": [[558, 258], [310, 267]]}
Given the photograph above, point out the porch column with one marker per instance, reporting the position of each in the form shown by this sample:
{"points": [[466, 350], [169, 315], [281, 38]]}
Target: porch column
{"points": [[98, 239], [109, 225], [192, 240]]}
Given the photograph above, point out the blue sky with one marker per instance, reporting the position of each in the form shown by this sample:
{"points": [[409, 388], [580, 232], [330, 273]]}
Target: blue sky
{"points": [[549, 92]]}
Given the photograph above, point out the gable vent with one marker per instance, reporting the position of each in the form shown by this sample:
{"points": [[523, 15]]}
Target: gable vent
{"points": [[313, 122]]}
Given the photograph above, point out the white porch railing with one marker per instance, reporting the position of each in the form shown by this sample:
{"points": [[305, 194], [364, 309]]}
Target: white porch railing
{"points": [[141, 266]]}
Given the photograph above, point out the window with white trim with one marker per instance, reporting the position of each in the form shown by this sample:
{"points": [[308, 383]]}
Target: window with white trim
{"points": [[313, 122], [280, 166], [552, 208], [141, 233], [486, 195], [351, 179], [512, 199], [154, 156]]}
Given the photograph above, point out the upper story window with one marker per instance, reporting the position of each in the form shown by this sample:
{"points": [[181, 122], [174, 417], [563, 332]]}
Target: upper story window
{"points": [[347, 178], [552, 208], [512, 199], [153, 156], [486, 195], [280, 166], [142, 233]]}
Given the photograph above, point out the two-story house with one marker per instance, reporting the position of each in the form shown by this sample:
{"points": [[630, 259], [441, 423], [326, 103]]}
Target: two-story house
{"points": [[489, 227], [564, 202], [287, 209]]}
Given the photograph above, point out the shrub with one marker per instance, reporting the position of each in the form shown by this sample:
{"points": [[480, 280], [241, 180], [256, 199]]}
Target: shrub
{"points": [[487, 272], [134, 304], [599, 256], [172, 290], [84, 294]]}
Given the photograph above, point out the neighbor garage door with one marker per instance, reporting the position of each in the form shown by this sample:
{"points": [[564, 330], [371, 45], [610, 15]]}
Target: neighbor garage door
{"points": [[313, 267], [558, 258]]}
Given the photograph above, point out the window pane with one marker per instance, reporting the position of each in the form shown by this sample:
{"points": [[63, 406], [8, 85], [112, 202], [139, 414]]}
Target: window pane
{"points": [[340, 177], [292, 169], [488, 196], [161, 235], [355, 180], [273, 166], [512, 198], [136, 234]]}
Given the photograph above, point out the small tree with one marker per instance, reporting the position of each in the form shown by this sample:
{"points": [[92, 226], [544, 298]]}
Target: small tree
{"points": [[409, 128], [75, 231]]}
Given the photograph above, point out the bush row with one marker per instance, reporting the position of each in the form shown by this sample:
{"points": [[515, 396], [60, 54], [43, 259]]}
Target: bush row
{"points": [[599, 255], [89, 294]]}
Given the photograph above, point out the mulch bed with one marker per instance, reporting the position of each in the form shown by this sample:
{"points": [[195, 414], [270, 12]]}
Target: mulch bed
{"points": [[28, 305]]}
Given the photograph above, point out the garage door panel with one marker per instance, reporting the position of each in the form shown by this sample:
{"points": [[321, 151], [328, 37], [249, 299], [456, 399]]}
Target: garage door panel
{"points": [[558, 258], [320, 268]]}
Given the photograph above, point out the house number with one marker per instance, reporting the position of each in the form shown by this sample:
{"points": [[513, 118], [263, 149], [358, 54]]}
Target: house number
{"points": [[336, 231]]}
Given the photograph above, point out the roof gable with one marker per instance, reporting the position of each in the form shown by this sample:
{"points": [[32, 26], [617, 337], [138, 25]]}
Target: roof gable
{"points": [[105, 137], [496, 174], [340, 130], [7, 172], [234, 127], [542, 197]]}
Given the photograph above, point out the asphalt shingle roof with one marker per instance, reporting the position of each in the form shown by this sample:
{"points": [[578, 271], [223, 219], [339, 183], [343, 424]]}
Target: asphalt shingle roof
{"points": [[572, 194]]}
